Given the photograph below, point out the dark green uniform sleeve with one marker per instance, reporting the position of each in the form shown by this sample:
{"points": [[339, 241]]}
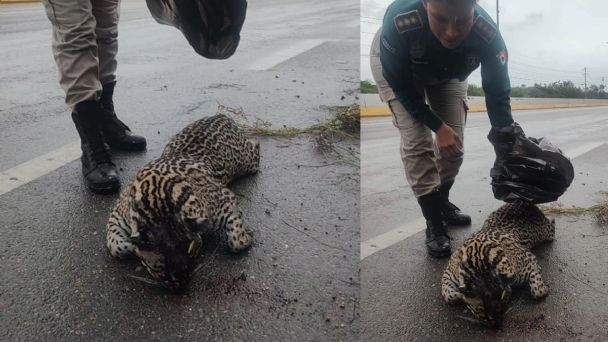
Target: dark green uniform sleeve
{"points": [[495, 82], [396, 70]]}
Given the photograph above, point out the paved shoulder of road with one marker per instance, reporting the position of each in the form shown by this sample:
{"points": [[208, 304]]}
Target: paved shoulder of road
{"points": [[400, 284], [299, 281]]}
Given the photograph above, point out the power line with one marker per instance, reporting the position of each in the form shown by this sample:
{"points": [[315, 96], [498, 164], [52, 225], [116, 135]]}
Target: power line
{"points": [[543, 68], [371, 18], [523, 74]]}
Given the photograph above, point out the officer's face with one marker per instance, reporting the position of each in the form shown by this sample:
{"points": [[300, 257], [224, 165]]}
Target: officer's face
{"points": [[450, 21]]}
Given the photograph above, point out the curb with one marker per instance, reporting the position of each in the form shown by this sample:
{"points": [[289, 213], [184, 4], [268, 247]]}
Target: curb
{"points": [[384, 111]]}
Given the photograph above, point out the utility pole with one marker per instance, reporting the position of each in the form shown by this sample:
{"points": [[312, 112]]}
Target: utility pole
{"points": [[497, 16], [585, 70]]}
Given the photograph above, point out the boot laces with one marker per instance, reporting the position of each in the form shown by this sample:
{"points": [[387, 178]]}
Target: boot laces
{"points": [[97, 152], [443, 231]]}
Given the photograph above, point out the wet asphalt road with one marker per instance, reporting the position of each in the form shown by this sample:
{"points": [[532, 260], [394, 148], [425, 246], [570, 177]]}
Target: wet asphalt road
{"points": [[299, 281], [400, 296]]}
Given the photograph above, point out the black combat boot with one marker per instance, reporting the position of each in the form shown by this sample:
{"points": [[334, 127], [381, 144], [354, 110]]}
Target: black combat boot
{"points": [[98, 170], [437, 239], [451, 213], [116, 133]]}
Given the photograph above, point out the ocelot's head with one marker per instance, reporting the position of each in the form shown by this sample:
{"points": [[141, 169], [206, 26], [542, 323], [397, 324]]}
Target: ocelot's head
{"points": [[486, 288], [167, 220]]}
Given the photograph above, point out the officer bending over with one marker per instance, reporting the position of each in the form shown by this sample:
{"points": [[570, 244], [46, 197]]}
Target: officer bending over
{"points": [[426, 49]]}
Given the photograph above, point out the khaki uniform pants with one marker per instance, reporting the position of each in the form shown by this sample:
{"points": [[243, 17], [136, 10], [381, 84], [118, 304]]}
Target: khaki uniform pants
{"points": [[85, 43], [425, 167]]}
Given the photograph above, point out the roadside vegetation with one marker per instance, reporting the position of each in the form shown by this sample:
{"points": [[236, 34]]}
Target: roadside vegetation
{"points": [[368, 87], [560, 89]]}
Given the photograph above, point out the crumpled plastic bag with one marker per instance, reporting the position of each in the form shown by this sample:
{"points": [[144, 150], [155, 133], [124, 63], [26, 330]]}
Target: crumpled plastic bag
{"points": [[533, 170], [212, 27]]}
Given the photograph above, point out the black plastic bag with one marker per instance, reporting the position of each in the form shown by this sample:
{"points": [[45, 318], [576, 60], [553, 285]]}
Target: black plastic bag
{"points": [[528, 169], [212, 27]]}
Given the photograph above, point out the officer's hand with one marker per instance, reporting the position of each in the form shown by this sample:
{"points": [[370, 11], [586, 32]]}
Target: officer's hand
{"points": [[503, 138], [448, 141]]}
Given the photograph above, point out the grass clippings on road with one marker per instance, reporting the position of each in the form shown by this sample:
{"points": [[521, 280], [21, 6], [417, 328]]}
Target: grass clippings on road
{"points": [[600, 211], [344, 123]]}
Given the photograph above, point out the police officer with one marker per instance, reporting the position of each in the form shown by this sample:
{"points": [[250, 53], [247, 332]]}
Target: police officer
{"points": [[84, 47], [425, 50]]}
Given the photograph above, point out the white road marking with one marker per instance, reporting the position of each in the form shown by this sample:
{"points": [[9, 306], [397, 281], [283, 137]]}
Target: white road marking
{"points": [[38, 167], [391, 237], [580, 150], [398, 234], [282, 55]]}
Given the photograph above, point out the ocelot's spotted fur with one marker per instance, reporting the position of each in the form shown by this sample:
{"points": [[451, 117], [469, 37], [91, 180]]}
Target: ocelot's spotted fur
{"points": [[482, 271], [161, 213]]}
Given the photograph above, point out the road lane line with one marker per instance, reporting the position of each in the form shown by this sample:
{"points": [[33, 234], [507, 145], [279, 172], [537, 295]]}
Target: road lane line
{"points": [[401, 233], [38, 167], [282, 55], [580, 150], [391, 237]]}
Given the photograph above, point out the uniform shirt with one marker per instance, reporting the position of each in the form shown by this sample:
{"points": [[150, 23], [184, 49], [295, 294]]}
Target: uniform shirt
{"points": [[411, 54]]}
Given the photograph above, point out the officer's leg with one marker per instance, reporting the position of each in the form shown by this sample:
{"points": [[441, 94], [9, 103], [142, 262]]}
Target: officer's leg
{"points": [[418, 159], [75, 48], [416, 151], [106, 14], [448, 100], [421, 172], [116, 133], [75, 52]]}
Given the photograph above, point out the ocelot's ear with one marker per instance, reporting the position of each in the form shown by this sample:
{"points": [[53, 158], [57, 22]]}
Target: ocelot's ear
{"points": [[505, 270], [192, 214]]}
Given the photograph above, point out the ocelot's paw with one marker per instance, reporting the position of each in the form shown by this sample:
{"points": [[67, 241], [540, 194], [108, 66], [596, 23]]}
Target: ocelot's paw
{"points": [[539, 290], [241, 241]]}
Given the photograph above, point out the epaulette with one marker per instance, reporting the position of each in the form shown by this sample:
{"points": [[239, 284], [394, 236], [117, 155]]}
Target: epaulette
{"points": [[484, 28], [408, 21]]}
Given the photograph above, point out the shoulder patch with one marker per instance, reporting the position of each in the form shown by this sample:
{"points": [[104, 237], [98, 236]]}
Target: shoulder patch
{"points": [[484, 28], [502, 57], [408, 21], [388, 46]]}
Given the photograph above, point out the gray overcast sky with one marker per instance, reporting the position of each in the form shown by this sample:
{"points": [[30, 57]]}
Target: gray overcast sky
{"points": [[547, 40]]}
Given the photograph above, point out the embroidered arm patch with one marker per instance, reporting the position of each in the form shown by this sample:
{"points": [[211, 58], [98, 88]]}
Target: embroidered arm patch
{"points": [[388, 46], [502, 57], [408, 21]]}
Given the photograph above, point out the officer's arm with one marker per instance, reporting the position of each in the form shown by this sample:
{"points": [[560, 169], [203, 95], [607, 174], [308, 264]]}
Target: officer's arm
{"points": [[495, 82], [396, 71]]}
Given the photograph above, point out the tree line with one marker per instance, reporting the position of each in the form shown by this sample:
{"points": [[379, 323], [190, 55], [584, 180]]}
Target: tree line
{"points": [[559, 89]]}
